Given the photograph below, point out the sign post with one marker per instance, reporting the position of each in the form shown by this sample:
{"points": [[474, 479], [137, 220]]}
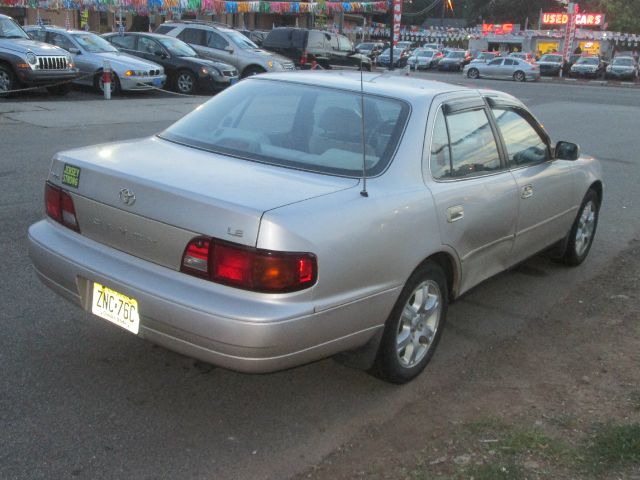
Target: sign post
{"points": [[397, 19], [570, 32]]}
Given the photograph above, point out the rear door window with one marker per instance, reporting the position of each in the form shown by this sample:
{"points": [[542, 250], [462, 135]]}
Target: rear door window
{"points": [[316, 40], [215, 40], [192, 35], [127, 41]]}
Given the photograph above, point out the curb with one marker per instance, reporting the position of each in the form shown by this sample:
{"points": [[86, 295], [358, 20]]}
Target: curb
{"points": [[602, 83]]}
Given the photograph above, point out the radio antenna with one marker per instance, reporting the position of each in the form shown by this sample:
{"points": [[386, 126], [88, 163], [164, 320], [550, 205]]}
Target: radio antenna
{"points": [[363, 192]]}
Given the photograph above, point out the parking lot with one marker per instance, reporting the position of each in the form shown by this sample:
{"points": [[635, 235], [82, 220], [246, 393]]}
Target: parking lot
{"points": [[83, 399]]}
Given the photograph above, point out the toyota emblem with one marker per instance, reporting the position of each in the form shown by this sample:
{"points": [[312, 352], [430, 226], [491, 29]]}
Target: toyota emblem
{"points": [[127, 197]]}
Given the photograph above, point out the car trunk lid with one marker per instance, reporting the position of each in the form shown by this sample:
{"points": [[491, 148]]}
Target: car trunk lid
{"points": [[150, 197]]}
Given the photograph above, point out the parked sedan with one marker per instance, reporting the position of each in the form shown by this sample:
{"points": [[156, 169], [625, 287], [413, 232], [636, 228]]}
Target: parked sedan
{"points": [[186, 72], [454, 60], [592, 67], [504, 68], [276, 224], [423, 59], [622, 68], [400, 57], [551, 64], [89, 53]]}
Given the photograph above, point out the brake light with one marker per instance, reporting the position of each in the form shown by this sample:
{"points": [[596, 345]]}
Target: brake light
{"points": [[59, 206], [303, 58], [248, 268]]}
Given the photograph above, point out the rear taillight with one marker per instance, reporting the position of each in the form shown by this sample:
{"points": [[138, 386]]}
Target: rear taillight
{"points": [[249, 268], [303, 58], [59, 206]]}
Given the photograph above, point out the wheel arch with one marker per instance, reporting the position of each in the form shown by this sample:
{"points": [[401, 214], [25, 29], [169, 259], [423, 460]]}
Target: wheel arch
{"points": [[597, 187], [450, 265], [252, 66]]}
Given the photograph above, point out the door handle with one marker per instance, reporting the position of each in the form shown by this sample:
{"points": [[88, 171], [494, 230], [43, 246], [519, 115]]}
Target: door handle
{"points": [[527, 191], [455, 213]]}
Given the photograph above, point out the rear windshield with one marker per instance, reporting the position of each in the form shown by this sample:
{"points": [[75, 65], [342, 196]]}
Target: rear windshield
{"points": [[297, 126]]}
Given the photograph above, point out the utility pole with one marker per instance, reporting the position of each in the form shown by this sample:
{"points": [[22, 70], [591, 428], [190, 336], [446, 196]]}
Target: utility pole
{"points": [[444, 6]]}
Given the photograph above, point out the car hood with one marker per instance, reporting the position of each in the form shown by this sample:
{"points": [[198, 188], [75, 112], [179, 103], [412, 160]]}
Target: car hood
{"points": [[125, 60], [550, 64], [265, 54], [209, 63], [452, 60], [622, 67], [19, 45]]}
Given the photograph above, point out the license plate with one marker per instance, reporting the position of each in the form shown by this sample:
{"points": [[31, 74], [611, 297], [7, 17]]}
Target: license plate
{"points": [[115, 307], [157, 82], [233, 81]]}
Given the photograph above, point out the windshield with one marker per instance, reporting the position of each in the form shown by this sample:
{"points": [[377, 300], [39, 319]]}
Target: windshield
{"points": [[455, 55], [10, 29], [624, 62], [93, 43], [240, 40], [425, 53], [365, 46], [296, 126], [177, 47], [551, 58], [588, 61]]}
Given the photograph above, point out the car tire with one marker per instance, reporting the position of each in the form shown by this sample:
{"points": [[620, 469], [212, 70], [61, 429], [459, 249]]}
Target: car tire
{"points": [[519, 76], [7, 80], [185, 82], [414, 326], [473, 73], [583, 230], [60, 90], [99, 85], [251, 71]]}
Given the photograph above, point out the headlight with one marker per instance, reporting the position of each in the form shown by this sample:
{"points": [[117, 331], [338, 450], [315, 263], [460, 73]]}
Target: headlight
{"points": [[31, 58], [204, 71], [609, 68], [270, 63], [134, 73]]}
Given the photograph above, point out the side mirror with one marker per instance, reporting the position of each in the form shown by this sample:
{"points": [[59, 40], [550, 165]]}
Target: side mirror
{"points": [[567, 151], [74, 50]]}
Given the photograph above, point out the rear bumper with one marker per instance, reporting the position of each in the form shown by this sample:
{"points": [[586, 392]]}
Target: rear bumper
{"points": [[243, 331]]}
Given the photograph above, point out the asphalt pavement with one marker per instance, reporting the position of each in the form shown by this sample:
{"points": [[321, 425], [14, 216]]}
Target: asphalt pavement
{"points": [[81, 398]]}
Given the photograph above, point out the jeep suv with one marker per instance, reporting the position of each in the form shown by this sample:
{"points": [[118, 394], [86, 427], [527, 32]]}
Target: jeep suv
{"points": [[219, 42], [27, 63], [305, 47]]}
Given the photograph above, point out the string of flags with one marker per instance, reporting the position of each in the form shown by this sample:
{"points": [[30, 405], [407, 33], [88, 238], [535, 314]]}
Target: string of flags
{"points": [[207, 7]]}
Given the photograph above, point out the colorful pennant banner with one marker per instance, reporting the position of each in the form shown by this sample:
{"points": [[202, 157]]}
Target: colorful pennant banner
{"points": [[207, 7]]}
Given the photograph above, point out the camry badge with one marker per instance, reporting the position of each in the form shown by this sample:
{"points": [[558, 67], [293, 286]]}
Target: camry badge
{"points": [[127, 197]]}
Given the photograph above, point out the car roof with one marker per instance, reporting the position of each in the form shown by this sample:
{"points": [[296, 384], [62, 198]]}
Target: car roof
{"points": [[385, 84], [139, 34], [54, 28]]}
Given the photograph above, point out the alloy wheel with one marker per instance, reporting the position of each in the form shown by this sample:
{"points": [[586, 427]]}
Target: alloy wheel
{"points": [[419, 323], [586, 227]]}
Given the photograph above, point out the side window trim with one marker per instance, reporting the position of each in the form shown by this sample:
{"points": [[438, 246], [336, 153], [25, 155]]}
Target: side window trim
{"points": [[500, 103], [462, 105]]}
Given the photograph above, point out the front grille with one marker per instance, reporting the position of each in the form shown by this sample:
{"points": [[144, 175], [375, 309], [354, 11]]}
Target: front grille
{"points": [[229, 73], [288, 66], [52, 63], [154, 72]]}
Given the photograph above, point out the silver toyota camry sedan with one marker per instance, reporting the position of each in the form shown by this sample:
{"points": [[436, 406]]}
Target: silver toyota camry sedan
{"points": [[299, 215]]}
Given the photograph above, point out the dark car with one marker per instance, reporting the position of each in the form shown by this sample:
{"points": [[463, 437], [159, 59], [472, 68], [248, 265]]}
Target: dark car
{"points": [[573, 58], [27, 63], [622, 68], [370, 49], [591, 67], [455, 60], [551, 64], [400, 57], [306, 47], [186, 72]]}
